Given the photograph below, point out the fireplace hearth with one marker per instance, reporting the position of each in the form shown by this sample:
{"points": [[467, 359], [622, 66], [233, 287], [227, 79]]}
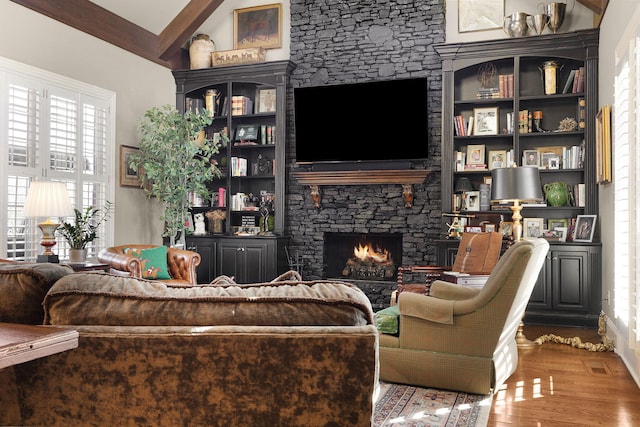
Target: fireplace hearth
{"points": [[362, 256]]}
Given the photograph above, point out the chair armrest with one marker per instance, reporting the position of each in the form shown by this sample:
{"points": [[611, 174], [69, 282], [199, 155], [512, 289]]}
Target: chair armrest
{"points": [[451, 291], [182, 264], [426, 307]]}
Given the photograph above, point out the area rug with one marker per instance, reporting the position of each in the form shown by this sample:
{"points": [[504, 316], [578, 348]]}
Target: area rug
{"points": [[402, 405]]}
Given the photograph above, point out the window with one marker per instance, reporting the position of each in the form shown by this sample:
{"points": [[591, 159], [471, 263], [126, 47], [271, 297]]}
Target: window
{"points": [[57, 129], [626, 130]]}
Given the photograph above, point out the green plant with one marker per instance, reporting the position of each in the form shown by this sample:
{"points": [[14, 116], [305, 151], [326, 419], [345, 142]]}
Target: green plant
{"points": [[84, 228], [175, 162]]}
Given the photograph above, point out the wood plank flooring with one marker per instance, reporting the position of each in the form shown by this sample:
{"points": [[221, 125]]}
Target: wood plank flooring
{"points": [[560, 385]]}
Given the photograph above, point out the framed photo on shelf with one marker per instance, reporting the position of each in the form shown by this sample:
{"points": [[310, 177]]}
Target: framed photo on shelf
{"points": [[485, 121], [497, 159], [550, 161], [128, 177], [531, 158], [532, 227], [585, 228], [266, 100], [258, 26], [506, 228], [475, 155], [562, 233], [554, 223]]}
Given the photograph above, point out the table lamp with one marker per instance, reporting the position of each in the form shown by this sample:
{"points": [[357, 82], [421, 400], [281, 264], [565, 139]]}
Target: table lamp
{"points": [[46, 199], [516, 184], [462, 186]]}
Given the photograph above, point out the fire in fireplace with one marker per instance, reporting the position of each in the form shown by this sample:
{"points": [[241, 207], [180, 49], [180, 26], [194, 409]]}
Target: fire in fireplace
{"points": [[363, 256]]}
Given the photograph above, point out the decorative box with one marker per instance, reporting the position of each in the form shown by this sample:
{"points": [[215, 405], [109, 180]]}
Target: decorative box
{"points": [[238, 56]]}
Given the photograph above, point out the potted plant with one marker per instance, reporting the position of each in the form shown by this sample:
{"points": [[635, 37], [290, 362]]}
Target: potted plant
{"points": [[83, 230], [175, 161]]}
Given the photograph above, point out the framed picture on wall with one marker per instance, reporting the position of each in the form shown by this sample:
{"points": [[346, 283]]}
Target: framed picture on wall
{"points": [[258, 26], [480, 15], [128, 177]]}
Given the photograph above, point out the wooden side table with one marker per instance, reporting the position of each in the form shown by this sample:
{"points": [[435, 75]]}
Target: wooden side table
{"points": [[22, 343], [88, 266]]}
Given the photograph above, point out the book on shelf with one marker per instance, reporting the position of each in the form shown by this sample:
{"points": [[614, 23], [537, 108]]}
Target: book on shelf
{"points": [[488, 93], [241, 105], [569, 83], [579, 195], [238, 166], [534, 205], [479, 167], [460, 158], [580, 78]]}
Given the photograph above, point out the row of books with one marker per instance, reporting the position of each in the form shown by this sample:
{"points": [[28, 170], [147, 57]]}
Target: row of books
{"points": [[240, 105], [462, 126], [503, 90], [575, 81], [238, 166]]}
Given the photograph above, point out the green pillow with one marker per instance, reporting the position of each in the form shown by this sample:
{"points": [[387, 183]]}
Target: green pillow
{"points": [[154, 261], [388, 320]]}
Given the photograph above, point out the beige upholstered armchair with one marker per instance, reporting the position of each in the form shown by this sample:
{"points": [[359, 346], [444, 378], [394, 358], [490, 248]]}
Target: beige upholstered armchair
{"points": [[181, 264], [462, 338]]}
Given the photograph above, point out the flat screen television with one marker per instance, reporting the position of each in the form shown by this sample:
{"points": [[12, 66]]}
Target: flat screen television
{"points": [[384, 121]]}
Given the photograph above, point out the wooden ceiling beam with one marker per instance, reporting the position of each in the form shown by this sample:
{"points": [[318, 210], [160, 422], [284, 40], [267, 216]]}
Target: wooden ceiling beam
{"points": [[92, 19], [182, 27]]}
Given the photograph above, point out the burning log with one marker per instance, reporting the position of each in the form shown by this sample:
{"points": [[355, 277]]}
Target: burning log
{"points": [[369, 264]]}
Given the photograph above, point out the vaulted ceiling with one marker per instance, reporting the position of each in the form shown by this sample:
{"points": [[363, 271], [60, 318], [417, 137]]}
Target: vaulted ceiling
{"points": [[164, 48], [132, 24]]}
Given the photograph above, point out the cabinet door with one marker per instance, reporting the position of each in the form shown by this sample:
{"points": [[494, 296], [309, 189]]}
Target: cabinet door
{"points": [[541, 295], [570, 279], [246, 261]]}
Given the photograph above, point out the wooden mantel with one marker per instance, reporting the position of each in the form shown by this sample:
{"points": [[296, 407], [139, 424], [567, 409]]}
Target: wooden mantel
{"points": [[405, 177]]}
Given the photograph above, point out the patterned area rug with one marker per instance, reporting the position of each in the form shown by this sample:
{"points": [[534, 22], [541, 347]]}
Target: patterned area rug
{"points": [[403, 405]]}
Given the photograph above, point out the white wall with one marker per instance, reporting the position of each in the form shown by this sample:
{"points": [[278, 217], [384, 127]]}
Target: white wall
{"points": [[34, 39]]}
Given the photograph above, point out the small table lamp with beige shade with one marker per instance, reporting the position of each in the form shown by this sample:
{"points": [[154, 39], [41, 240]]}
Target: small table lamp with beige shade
{"points": [[517, 185], [46, 199]]}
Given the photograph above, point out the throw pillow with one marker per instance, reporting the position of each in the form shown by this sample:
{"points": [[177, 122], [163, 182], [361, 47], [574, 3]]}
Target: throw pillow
{"points": [[154, 261], [387, 320]]}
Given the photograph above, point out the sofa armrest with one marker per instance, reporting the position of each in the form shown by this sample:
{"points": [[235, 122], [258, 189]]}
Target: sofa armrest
{"points": [[451, 291]]}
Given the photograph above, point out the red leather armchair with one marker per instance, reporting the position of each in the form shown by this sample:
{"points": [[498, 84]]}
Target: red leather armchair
{"points": [[182, 264]]}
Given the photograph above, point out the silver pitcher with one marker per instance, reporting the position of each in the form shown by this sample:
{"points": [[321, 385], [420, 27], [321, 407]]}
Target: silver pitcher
{"points": [[516, 25]]}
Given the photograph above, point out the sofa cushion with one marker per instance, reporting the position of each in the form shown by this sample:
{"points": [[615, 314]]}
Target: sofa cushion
{"points": [[154, 261], [23, 287], [104, 299]]}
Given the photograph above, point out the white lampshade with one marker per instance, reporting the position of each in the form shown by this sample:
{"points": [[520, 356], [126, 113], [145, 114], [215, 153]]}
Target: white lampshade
{"points": [[47, 199]]}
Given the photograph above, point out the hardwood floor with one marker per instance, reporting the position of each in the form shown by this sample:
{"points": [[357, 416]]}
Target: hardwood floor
{"points": [[560, 385]]}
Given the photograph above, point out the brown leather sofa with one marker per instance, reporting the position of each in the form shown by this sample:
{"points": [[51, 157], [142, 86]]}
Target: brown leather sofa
{"points": [[182, 264], [286, 353]]}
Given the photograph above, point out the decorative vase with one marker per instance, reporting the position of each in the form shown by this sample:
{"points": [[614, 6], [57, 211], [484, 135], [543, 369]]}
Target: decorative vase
{"points": [[200, 50], [556, 193], [77, 256]]}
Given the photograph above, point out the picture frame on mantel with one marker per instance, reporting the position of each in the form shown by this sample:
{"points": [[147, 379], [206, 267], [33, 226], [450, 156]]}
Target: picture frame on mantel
{"points": [[480, 15], [258, 26]]}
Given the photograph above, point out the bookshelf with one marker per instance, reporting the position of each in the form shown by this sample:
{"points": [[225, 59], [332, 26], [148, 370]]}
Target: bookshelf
{"points": [[248, 103], [513, 93]]}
